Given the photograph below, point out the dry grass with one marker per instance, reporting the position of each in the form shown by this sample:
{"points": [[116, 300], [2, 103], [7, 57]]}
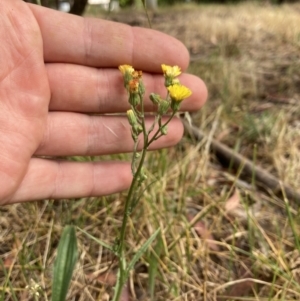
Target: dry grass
{"points": [[243, 243]]}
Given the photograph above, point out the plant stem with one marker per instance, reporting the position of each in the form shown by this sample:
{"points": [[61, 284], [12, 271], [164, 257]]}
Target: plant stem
{"points": [[158, 131], [128, 203]]}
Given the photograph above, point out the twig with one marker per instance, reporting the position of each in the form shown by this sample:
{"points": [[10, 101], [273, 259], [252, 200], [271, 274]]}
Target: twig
{"points": [[229, 156]]}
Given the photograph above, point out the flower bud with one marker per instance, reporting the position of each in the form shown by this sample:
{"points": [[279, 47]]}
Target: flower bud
{"points": [[163, 107], [155, 98], [134, 99], [127, 72], [164, 130], [137, 129], [142, 176], [131, 117], [168, 82], [141, 87]]}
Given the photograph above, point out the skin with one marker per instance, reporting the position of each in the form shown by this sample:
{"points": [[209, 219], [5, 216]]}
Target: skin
{"points": [[57, 72]]}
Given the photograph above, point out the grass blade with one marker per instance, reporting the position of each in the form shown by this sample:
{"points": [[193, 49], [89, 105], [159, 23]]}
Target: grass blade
{"points": [[142, 250], [153, 265], [100, 242], [7, 281]]}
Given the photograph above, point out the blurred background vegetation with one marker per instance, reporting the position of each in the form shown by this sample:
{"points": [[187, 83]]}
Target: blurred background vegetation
{"points": [[78, 6]]}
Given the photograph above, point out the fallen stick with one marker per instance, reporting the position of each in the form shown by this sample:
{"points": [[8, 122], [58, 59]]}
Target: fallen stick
{"points": [[237, 161]]}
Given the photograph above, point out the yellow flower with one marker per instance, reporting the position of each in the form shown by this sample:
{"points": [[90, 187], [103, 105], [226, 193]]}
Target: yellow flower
{"points": [[178, 92], [170, 71], [126, 69]]}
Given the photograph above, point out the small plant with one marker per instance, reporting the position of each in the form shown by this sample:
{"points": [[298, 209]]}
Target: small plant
{"points": [[176, 93]]}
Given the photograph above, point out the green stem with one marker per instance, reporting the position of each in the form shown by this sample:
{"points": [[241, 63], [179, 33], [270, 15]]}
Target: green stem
{"points": [[158, 131], [128, 200], [134, 157], [121, 251], [128, 204], [156, 119]]}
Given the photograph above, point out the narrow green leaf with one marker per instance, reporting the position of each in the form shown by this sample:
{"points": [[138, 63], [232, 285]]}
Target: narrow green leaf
{"points": [[292, 222], [100, 242], [64, 265], [7, 281], [153, 264], [142, 250]]}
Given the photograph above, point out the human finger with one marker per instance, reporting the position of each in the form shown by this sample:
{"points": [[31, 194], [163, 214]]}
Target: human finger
{"points": [[85, 89], [102, 43], [71, 134], [48, 179]]}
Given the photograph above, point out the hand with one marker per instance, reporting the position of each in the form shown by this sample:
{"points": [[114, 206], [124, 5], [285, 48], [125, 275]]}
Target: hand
{"points": [[54, 69]]}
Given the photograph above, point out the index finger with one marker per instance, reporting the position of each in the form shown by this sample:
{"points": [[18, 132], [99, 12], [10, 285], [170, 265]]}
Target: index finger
{"points": [[100, 43]]}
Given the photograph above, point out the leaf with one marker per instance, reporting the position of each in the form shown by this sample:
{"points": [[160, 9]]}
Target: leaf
{"points": [[233, 202], [241, 288], [234, 207], [205, 234], [64, 265], [9, 261], [109, 278], [153, 264], [142, 250]]}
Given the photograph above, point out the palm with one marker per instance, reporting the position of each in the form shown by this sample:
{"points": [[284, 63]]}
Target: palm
{"points": [[24, 94]]}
